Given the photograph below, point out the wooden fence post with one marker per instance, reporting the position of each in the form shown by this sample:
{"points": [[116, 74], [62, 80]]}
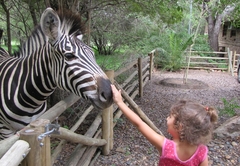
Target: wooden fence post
{"points": [[107, 122], [39, 155], [234, 61], [140, 80], [230, 68], [151, 65], [228, 52]]}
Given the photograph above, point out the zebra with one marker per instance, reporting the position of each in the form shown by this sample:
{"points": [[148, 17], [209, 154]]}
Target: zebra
{"points": [[52, 56], [3, 54]]}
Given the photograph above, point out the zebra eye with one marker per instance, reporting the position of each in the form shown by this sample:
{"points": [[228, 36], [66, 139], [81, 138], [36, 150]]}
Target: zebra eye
{"points": [[70, 56]]}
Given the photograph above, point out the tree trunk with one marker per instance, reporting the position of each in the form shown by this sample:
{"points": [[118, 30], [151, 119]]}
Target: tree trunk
{"points": [[8, 25], [33, 14], [1, 33], [47, 3], [212, 35], [214, 25], [214, 21], [9, 32]]}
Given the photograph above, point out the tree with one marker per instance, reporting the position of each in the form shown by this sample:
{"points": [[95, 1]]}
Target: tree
{"points": [[167, 11], [112, 30], [25, 14], [1, 33], [112, 25], [216, 12], [6, 9], [33, 5]]}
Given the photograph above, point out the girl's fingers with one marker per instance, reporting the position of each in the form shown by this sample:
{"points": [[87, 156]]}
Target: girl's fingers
{"points": [[113, 87], [115, 91]]}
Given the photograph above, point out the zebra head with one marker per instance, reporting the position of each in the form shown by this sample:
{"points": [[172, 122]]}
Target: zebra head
{"points": [[74, 66]]}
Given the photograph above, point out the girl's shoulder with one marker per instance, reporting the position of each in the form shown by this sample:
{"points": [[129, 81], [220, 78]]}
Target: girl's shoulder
{"points": [[168, 144], [170, 151], [201, 153], [202, 150]]}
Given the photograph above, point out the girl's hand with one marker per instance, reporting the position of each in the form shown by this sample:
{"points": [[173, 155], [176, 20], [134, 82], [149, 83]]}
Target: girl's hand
{"points": [[117, 97]]}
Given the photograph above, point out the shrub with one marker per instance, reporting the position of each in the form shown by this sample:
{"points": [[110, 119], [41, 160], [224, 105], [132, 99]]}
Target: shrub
{"points": [[229, 107]]}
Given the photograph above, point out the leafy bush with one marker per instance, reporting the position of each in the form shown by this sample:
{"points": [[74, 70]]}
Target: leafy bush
{"points": [[116, 61], [201, 43], [170, 54], [229, 107]]}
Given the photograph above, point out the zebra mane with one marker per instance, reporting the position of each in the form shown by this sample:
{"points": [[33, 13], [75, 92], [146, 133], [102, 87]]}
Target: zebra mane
{"points": [[71, 24]]}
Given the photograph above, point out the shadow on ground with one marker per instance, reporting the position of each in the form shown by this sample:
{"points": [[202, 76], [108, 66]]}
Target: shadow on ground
{"points": [[179, 83]]}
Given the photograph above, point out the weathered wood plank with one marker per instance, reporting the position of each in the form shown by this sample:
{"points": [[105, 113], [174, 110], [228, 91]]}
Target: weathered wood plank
{"points": [[15, 154], [78, 138]]}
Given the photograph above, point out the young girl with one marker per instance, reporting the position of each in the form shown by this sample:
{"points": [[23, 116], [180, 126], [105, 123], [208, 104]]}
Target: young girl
{"points": [[190, 125]]}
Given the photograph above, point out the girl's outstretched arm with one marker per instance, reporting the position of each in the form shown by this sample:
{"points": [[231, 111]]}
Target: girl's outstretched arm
{"points": [[152, 136]]}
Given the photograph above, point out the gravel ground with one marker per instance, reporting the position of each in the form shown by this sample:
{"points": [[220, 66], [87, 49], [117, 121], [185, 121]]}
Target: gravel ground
{"points": [[131, 148]]}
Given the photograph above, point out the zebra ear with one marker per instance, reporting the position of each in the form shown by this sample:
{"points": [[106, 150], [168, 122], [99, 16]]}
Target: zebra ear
{"points": [[50, 24]]}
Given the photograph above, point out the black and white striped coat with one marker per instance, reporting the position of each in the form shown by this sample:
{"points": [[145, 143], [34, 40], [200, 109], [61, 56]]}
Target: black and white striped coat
{"points": [[53, 56]]}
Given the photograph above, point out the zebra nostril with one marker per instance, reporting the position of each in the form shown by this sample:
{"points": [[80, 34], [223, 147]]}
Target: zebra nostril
{"points": [[104, 89], [103, 97]]}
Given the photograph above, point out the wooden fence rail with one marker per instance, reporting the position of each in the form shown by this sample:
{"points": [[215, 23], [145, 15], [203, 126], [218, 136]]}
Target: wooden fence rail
{"points": [[235, 61], [226, 62], [15, 154], [209, 62], [140, 73]]}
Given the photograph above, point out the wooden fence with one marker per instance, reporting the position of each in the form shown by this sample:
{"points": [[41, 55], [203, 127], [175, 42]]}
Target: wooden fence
{"points": [[36, 137], [235, 61], [225, 61], [208, 62]]}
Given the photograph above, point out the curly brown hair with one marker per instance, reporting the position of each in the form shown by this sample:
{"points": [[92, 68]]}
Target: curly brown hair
{"points": [[194, 121]]}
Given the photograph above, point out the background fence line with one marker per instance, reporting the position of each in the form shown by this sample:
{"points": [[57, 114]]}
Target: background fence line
{"points": [[227, 62]]}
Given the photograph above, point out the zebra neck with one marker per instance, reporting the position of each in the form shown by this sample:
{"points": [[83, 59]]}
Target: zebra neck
{"points": [[31, 73]]}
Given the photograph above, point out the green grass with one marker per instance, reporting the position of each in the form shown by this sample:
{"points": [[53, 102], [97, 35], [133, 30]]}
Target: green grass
{"points": [[230, 107], [110, 62], [14, 48]]}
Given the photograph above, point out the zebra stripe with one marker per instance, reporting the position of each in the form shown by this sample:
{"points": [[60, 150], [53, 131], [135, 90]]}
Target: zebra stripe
{"points": [[53, 56]]}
